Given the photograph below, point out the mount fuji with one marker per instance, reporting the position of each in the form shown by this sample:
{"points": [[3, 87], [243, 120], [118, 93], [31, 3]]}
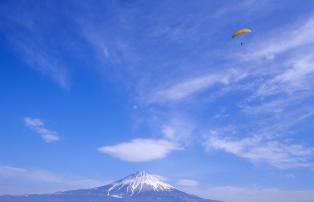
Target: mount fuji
{"points": [[138, 187]]}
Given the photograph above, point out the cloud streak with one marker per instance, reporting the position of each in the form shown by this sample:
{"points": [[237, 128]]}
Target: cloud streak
{"points": [[45, 63], [259, 149], [30, 37], [38, 126], [288, 38], [47, 177], [186, 89]]}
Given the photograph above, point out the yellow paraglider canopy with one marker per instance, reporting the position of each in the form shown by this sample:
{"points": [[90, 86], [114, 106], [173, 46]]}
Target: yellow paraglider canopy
{"points": [[240, 31]]}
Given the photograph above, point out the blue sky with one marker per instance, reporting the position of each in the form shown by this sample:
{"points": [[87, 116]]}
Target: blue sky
{"points": [[93, 91]]}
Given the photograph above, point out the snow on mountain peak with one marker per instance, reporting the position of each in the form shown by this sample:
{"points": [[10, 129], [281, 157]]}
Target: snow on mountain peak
{"points": [[136, 183]]}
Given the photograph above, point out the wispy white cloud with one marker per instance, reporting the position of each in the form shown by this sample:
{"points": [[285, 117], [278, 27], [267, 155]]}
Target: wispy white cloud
{"points": [[35, 175], [187, 88], [296, 76], [28, 35], [140, 150], [38, 126], [301, 69], [284, 39], [178, 128], [45, 63], [263, 149], [33, 122], [42, 176], [46, 177], [187, 183]]}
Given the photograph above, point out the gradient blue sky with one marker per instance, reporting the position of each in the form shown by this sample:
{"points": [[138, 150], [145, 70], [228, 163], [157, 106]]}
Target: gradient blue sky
{"points": [[94, 90]]}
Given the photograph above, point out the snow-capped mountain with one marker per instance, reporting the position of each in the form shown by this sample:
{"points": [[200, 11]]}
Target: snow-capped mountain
{"points": [[137, 183], [138, 187]]}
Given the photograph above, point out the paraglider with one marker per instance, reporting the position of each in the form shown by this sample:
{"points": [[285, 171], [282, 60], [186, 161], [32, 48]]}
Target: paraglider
{"points": [[240, 32]]}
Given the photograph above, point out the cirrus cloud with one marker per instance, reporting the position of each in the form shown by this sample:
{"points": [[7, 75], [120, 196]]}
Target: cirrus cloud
{"points": [[187, 88], [259, 149]]}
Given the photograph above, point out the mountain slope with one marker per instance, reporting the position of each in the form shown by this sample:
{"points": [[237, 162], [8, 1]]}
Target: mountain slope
{"points": [[137, 183], [138, 187]]}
